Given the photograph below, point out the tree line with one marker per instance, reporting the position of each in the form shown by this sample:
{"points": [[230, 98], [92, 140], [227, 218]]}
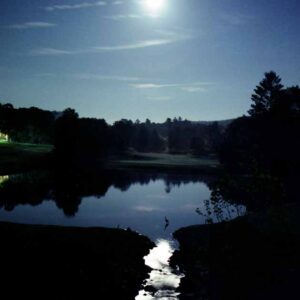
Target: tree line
{"points": [[75, 136], [31, 125], [269, 137], [260, 151]]}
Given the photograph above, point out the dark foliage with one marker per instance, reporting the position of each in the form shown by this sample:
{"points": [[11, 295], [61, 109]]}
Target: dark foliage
{"points": [[77, 138], [252, 258], [30, 125], [261, 151], [66, 130], [269, 139], [265, 94]]}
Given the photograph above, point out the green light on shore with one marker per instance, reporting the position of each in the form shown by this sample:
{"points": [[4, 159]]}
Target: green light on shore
{"points": [[3, 179], [3, 138]]}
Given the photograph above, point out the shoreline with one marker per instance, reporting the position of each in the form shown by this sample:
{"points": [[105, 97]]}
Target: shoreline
{"points": [[252, 257], [73, 262]]}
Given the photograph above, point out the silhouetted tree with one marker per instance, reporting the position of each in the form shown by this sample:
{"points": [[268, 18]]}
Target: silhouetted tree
{"points": [[74, 137], [66, 133], [148, 123], [122, 135], [287, 103], [265, 94], [142, 140], [92, 137], [197, 146], [215, 137], [156, 143], [269, 140], [30, 125]]}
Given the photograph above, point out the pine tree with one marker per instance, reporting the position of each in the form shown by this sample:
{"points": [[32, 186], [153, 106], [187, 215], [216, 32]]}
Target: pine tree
{"points": [[265, 94]]}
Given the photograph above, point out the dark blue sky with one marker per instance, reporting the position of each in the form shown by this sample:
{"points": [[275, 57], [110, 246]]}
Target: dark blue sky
{"points": [[198, 59]]}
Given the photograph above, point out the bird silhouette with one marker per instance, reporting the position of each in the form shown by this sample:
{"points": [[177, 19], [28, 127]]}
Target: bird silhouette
{"points": [[167, 223]]}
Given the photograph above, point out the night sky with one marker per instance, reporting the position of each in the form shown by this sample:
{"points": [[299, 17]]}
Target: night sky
{"points": [[198, 59]]}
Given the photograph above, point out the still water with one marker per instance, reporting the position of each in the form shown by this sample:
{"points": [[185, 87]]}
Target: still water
{"points": [[154, 205]]}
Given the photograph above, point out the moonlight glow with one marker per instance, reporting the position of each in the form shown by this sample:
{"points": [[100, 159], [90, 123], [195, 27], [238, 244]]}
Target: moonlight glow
{"points": [[154, 7]]}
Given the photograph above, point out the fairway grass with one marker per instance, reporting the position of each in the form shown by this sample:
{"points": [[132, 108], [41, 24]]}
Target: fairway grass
{"points": [[22, 156], [167, 161], [16, 157], [21, 148]]}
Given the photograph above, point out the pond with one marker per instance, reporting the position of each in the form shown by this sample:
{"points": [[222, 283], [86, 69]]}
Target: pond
{"points": [[153, 204]]}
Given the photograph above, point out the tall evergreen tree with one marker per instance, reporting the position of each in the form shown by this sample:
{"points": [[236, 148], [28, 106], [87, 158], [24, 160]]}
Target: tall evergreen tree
{"points": [[265, 94]]}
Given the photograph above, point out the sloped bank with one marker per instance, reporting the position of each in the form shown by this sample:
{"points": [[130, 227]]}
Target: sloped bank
{"points": [[253, 257], [52, 262]]}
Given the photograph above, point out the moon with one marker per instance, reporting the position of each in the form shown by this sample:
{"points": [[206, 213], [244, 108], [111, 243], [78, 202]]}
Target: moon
{"points": [[154, 7]]}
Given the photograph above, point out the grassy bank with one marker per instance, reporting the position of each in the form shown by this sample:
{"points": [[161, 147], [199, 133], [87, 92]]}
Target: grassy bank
{"points": [[254, 257], [19, 157], [71, 263], [15, 157], [166, 161]]}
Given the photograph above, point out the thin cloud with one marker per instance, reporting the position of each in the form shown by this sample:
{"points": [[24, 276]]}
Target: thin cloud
{"points": [[193, 89], [88, 76], [118, 2], [133, 46], [75, 6], [124, 17], [50, 52], [170, 39], [149, 86], [146, 209], [32, 25], [137, 45], [187, 87]]}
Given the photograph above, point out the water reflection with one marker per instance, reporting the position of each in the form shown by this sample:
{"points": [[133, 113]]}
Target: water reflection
{"points": [[152, 203], [163, 280], [67, 188]]}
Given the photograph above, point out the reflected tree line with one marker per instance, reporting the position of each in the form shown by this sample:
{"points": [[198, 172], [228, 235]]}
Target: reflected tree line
{"points": [[68, 187]]}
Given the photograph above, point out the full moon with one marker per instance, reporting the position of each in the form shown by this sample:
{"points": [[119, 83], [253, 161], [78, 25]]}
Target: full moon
{"points": [[154, 6]]}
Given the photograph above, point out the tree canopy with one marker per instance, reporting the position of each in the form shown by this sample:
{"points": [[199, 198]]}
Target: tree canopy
{"points": [[265, 94], [268, 139]]}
